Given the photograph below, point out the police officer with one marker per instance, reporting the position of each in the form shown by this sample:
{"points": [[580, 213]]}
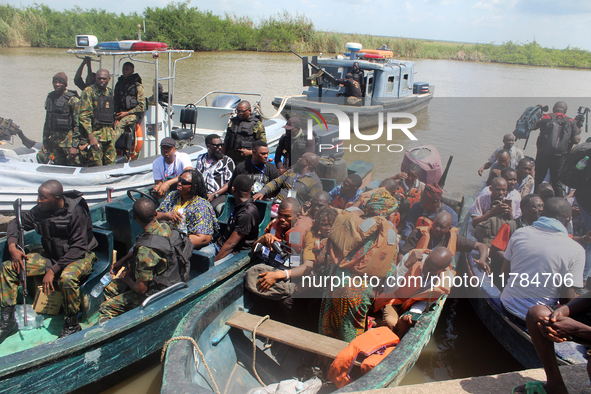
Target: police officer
{"points": [[64, 223], [130, 100], [61, 137], [143, 266], [97, 116], [243, 130]]}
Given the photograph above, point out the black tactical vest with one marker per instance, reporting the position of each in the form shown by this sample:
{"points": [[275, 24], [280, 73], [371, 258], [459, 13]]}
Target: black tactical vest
{"points": [[56, 230], [104, 112], [241, 132], [126, 92], [58, 117]]}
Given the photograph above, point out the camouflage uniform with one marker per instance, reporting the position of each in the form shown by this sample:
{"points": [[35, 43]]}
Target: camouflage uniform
{"points": [[259, 134], [106, 153], [58, 143], [68, 281], [148, 263], [135, 113]]}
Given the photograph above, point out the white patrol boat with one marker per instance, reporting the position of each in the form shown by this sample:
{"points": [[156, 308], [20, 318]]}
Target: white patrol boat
{"points": [[188, 124]]}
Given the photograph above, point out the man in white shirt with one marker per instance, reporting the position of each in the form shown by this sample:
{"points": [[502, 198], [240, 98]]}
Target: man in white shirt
{"points": [[168, 167], [548, 263]]}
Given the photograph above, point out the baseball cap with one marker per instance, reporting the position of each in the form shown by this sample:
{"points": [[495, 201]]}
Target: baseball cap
{"points": [[293, 123], [168, 141]]}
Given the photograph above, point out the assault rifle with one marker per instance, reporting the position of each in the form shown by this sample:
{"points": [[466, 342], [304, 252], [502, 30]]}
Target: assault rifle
{"points": [[20, 244]]}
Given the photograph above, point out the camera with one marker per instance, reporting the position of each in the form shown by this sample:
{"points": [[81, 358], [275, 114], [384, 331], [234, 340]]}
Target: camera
{"points": [[279, 255], [582, 117]]}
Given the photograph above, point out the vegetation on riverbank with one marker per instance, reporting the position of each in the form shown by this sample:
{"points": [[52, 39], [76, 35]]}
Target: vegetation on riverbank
{"points": [[185, 27]]}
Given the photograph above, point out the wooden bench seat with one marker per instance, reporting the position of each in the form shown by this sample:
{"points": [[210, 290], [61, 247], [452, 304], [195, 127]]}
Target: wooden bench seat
{"points": [[289, 335]]}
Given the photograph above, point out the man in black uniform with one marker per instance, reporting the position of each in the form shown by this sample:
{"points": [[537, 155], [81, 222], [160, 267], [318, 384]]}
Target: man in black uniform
{"points": [[258, 168], [558, 134], [352, 87], [130, 100], [244, 129], [64, 223], [292, 145]]}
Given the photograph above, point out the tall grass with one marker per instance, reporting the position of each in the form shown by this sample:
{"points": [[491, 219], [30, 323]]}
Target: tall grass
{"points": [[185, 27]]}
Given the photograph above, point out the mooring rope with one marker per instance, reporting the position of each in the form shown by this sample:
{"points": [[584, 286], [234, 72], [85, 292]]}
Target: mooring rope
{"points": [[254, 349]]}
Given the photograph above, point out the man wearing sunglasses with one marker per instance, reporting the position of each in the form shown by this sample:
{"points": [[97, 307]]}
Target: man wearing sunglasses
{"points": [[217, 169], [244, 129], [168, 167]]}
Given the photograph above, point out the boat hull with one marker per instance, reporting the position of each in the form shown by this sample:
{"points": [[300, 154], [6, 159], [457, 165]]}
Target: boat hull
{"points": [[368, 116]]}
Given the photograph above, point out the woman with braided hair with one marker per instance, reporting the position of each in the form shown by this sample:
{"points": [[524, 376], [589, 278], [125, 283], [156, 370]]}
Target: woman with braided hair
{"points": [[188, 210]]}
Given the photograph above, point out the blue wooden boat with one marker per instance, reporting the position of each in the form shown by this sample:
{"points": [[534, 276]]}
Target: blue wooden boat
{"points": [[36, 361], [221, 325], [485, 300]]}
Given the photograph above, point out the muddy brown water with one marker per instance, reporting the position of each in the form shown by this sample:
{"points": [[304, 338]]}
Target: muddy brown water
{"points": [[475, 104]]}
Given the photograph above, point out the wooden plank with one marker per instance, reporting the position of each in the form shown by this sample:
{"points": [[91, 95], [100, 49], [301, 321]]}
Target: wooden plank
{"points": [[286, 334]]}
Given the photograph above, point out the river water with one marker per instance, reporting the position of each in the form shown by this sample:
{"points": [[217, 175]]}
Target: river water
{"points": [[475, 104]]}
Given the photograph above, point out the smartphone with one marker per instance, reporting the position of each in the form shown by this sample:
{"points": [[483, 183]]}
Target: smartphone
{"points": [[508, 201]]}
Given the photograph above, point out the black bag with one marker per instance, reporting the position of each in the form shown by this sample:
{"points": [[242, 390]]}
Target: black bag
{"points": [[178, 250], [124, 142], [555, 136], [528, 121], [569, 174]]}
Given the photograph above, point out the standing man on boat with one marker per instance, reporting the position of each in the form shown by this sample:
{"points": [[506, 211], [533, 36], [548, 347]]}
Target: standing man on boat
{"points": [[217, 170], [61, 135], [97, 116], [130, 100], [244, 129], [90, 76], [258, 168], [64, 223], [558, 134], [352, 89], [292, 145]]}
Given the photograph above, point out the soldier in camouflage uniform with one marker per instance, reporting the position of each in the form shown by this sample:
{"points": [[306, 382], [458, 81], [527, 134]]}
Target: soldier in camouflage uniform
{"points": [[243, 130], [130, 100], [61, 136], [97, 116], [142, 265], [64, 223]]}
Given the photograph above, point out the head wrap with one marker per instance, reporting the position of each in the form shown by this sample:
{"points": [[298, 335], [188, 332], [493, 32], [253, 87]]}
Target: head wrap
{"points": [[61, 77], [433, 191], [381, 203]]}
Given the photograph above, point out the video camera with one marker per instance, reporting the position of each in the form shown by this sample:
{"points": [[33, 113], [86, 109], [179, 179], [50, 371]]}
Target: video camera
{"points": [[280, 255], [582, 118]]}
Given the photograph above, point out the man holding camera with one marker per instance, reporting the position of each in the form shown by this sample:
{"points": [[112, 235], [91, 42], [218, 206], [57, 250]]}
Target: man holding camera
{"points": [[558, 134]]}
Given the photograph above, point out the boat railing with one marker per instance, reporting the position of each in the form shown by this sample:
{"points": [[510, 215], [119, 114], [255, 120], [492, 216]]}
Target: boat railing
{"points": [[260, 96], [163, 292]]}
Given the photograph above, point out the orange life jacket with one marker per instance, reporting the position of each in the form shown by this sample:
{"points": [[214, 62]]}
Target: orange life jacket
{"points": [[376, 344], [423, 221], [295, 235], [413, 292], [426, 238], [412, 195]]}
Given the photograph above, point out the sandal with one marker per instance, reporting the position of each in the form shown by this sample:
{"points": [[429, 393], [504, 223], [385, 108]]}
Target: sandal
{"points": [[532, 387]]}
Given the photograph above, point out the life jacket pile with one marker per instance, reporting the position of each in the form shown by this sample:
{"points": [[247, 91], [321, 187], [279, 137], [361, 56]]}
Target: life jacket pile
{"points": [[126, 92], [375, 344], [58, 117]]}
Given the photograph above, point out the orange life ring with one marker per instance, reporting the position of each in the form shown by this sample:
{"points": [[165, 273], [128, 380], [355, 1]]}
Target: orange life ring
{"points": [[138, 141]]}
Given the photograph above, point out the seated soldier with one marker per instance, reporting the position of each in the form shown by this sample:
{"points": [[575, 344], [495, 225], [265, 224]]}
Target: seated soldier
{"points": [[347, 192], [65, 226], [143, 266], [410, 187], [426, 209], [531, 207], [320, 201], [243, 227], [300, 182], [441, 233], [570, 322], [503, 161], [415, 296], [188, 210]]}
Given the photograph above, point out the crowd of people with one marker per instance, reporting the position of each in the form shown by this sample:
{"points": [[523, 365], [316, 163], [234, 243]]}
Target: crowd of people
{"points": [[401, 229]]}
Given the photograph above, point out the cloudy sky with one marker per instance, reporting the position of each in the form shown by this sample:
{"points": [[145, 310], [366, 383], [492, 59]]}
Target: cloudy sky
{"points": [[551, 23]]}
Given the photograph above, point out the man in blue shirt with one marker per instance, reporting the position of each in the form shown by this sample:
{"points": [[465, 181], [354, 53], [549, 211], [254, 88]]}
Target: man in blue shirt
{"points": [[347, 192]]}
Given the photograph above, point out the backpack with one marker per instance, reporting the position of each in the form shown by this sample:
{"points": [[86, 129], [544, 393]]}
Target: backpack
{"points": [[569, 174], [178, 250], [528, 121], [555, 136]]}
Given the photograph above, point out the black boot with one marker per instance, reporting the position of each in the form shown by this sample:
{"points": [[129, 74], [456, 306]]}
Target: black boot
{"points": [[70, 326], [8, 324]]}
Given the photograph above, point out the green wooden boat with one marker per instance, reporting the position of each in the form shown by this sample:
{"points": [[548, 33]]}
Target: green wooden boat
{"points": [[36, 361], [221, 325]]}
